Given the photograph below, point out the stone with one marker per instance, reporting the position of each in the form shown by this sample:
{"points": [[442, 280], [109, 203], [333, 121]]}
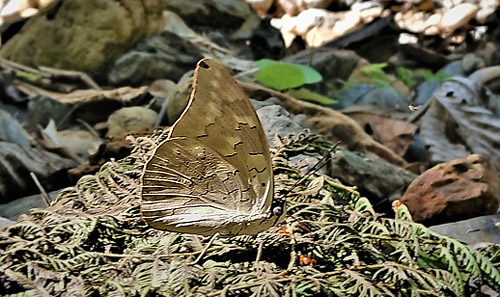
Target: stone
{"points": [[6, 222], [310, 18], [228, 15], [161, 56], [12, 210], [291, 7], [473, 231], [317, 3], [458, 16], [276, 121], [365, 173], [461, 189], [85, 35], [13, 9], [266, 42], [130, 119], [261, 6]]}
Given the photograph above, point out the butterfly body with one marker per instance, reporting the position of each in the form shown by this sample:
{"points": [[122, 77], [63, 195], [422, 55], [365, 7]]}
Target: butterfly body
{"points": [[213, 174]]}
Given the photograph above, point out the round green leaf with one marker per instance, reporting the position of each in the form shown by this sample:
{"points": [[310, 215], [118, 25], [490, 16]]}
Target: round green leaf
{"points": [[263, 63], [311, 76], [281, 76]]}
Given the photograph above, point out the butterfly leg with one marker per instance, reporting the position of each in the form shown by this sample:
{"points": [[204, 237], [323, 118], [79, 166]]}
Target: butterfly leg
{"points": [[200, 256], [259, 255]]}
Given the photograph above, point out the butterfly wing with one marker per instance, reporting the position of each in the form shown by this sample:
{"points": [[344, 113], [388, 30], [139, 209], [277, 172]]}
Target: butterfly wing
{"points": [[220, 115], [187, 187], [220, 127]]}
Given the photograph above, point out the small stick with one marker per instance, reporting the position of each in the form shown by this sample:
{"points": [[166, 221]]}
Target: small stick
{"points": [[45, 196], [212, 239]]}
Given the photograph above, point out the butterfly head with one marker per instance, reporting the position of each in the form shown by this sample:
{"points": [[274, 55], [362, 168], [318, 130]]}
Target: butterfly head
{"points": [[278, 209]]}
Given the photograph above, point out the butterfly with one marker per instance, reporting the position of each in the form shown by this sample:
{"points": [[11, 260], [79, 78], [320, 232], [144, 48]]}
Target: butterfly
{"points": [[213, 173]]}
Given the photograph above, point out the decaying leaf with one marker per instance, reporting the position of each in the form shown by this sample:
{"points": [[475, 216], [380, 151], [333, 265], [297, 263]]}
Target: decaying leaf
{"points": [[462, 118]]}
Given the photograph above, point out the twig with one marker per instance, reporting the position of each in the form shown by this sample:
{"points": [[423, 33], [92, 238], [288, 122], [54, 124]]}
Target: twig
{"points": [[45, 196]]}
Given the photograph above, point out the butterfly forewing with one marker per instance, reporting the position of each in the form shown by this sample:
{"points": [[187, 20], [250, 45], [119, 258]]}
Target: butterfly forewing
{"points": [[213, 173], [221, 116]]}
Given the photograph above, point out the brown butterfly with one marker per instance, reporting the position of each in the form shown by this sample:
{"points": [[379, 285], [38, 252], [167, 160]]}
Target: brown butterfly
{"points": [[213, 174]]}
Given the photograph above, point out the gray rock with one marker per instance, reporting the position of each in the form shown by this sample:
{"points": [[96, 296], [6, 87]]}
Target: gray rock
{"points": [[41, 109], [386, 98], [275, 119], [11, 130], [215, 14], [6, 222], [163, 56], [14, 209], [473, 231], [375, 178]]}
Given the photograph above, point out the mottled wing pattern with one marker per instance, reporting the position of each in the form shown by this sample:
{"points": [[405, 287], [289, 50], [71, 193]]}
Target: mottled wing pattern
{"points": [[188, 185], [221, 116], [214, 172]]}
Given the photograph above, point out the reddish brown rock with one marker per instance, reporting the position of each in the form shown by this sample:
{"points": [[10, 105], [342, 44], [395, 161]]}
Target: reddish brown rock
{"points": [[457, 190]]}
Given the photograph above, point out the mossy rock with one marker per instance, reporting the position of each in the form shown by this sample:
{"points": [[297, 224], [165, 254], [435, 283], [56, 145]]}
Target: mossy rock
{"points": [[83, 35]]}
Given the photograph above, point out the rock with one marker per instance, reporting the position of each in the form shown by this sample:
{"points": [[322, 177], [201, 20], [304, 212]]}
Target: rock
{"points": [[266, 42], [11, 130], [458, 16], [6, 222], [365, 172], [13, 9], [457, 190], [486, 9], [162, 56], [227, 15], [471, 62], [310, 18], [291, 7], [276, 121], [88, 34], [261, 6], [41, 109], [317, 3], [130, 119], [473, 231], [15, 208], [333, 26]]}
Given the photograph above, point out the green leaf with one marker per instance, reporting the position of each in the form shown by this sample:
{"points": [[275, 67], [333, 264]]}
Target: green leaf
{"points": [[281, 76], [305, 94], [311, 76], [406, 76], [263, 63]]}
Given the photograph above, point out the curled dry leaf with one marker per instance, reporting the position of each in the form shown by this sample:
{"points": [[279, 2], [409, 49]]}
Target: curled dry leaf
{"points": [[17, 183], [462, 118]]}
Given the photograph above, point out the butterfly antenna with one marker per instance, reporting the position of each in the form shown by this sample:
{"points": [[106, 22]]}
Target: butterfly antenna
{"points": [[322, 162]]}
